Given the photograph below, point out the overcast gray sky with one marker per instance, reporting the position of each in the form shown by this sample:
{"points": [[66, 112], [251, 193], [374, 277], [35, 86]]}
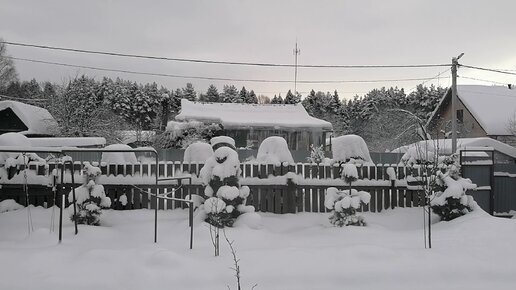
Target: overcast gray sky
{"points": [[328, 32]]}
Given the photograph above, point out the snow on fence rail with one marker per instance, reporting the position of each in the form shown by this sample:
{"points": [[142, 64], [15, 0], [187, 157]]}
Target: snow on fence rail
{"points": [[283, 188]]}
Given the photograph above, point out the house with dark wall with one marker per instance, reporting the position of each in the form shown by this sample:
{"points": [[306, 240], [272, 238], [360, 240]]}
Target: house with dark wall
{"points": [[28, 120], [250, 124], [482, 111]]}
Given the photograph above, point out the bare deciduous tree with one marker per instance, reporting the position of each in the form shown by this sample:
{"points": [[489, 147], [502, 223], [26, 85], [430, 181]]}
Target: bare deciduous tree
{"points": [[7, 69]]}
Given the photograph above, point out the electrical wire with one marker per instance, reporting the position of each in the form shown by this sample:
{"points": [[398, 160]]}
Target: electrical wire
{"points": [[436, 77], [482, 80], [488, 69], [214, 78], [22, 99], [76, 50]]}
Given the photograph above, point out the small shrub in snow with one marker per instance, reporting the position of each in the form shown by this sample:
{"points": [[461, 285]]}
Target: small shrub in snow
{"points": [[224, 198], [452, 202], [90, 198], [344, 204], [316, 154]]}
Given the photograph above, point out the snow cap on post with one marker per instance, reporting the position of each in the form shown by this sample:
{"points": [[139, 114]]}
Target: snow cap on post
{"points": [[221, 141]]}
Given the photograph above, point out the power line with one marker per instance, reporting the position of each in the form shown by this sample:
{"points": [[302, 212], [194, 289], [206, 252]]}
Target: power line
{"points": [[21, 99], [488, 69], [436, 77], [214, 78], [483, 80], [218, 62]]}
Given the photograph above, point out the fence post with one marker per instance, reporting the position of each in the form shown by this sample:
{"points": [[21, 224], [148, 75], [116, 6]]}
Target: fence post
{"points": [[290, 198]]}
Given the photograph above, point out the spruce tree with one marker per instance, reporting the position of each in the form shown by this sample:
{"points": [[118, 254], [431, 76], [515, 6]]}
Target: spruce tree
{"points": [[189, 92], [252, 98], [291, 98], [212, 94]]}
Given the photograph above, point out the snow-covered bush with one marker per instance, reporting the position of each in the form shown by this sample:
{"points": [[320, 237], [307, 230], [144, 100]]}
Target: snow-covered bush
{"points": [[350, 148], [9, 205], [440, 177], [90, 198], [349, 173], [119, 157], [274, 150], [316, 154], [181, 134], [344, 204], [452, 202], [198, 152], [224, 198]]}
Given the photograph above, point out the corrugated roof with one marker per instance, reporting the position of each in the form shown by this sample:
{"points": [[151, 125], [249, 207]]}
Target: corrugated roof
{"points": [[238, 115]]}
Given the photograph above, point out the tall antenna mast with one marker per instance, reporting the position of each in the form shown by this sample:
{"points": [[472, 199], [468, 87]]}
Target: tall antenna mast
{"points": [[296, 53]]}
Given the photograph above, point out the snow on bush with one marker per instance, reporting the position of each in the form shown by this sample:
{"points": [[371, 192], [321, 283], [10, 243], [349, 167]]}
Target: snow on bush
{"points": [[9, 205], [316, 154], [221, 141], [274, 150], [343, 205], [453, 201], [182, 134], [349, 172], [119, 157], [350, 148], [198, 152], [224, 198], [422, 153], [391, 173], [90, 197]]}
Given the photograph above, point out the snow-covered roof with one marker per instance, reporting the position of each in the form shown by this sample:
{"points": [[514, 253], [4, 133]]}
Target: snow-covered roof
{"points": [[69, 141], [238, 115], [36, 119], [445, 145], [492, 106]]}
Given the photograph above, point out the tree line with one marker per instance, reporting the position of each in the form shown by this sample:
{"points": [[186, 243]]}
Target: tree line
{"points": [[85, 106]]}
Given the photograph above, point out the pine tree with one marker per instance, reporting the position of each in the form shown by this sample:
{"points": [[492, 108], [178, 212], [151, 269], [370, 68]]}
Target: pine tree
{"points": [[212, 94], [251, 98], [189, 92], [30, 90], [229, 94], [280, 100], [291, 98], [243, 96]]}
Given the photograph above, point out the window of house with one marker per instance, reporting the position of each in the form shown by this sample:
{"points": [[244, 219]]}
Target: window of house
{"points": [[460, 116]]}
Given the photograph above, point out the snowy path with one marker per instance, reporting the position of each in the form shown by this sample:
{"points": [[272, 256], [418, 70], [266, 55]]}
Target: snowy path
{"points": [[288, 252]]}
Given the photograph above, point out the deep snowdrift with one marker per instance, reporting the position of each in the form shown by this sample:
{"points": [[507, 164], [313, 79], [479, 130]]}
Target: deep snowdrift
{"points": [[301, 251]]}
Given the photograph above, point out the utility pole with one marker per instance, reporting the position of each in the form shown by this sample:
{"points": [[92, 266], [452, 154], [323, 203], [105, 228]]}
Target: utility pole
{"points": [[296, 53], [455, 64]]}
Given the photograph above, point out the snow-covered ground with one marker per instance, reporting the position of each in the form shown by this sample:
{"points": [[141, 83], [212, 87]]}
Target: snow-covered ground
{"points": [[291, 251]]}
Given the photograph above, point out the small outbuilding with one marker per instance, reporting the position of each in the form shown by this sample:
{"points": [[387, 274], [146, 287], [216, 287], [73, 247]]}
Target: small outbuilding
{"points": [[31, 121], [250, 124]]}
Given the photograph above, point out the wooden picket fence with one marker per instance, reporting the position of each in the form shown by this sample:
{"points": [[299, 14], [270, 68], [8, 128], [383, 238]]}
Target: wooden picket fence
{"points": [[274, 188]]}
